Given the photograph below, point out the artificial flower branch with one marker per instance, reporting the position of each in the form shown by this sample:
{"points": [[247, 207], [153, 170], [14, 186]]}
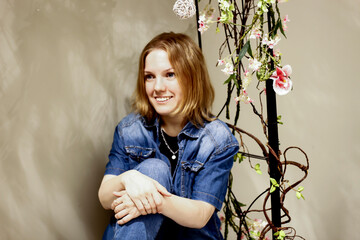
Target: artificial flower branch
{"points": [[251, 52]]}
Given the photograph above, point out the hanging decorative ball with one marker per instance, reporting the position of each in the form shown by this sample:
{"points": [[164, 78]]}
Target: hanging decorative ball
{"points": [[184, 8]]}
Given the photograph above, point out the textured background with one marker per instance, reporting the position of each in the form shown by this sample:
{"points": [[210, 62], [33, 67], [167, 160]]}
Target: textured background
{"points": [[68, 68]]}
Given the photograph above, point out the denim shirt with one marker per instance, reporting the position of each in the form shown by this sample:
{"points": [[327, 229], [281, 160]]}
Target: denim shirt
{"points": [[204, 162]]}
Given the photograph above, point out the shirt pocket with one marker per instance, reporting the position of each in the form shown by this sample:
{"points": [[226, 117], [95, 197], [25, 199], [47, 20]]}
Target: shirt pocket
{"points": [[138, 154], [189, 170]]}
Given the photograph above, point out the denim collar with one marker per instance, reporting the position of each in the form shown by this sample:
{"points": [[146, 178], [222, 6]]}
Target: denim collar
{"points": [[189, 130]]}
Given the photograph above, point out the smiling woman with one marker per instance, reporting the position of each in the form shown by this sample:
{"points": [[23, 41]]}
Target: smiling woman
{"points": [[162, 87], [170, 161]]}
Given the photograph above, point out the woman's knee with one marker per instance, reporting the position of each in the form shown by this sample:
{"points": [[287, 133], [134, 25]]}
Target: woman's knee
{"points": [[157, 169], [153, 166]]}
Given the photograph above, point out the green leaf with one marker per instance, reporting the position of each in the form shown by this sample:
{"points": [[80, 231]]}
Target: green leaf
{"points": [[280, 235], [279, 120], [257, 169], [298, 195], [230, 16], [232, 76], [217, 30], [244, 49], [236, 82], [272, 188], [277, 26], [232, 8], [282, 29], [250, 52], [274, 182], [300, 189], [239, 157], [241, 204], [255, 233]]}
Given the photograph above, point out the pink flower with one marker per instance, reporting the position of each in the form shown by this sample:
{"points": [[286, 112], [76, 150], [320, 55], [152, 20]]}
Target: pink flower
{"points": [[243, 97], [282, 84], [285, 20], [255, 32], [204, 23], [220, 62], [270, 43]]}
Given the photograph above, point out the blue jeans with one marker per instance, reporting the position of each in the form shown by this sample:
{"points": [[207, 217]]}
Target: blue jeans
{"points": [[145, 226]]}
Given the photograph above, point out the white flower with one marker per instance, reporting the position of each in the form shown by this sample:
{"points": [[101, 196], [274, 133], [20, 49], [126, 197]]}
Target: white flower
{"points": [[243, 97], [224, 5], [247, 80], [220, 62], [277, 53], [272, 42], [254, 64], [229, 69]]}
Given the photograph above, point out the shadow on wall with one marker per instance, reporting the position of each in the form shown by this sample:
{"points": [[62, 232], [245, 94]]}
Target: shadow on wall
{"points": [[68, 69]]}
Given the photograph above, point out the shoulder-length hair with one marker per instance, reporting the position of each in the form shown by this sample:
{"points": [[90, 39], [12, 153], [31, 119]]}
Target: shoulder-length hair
{"points": [[190, 70]]}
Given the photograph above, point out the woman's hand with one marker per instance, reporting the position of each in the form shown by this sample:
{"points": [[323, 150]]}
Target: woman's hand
{"points": [[124, 208], [146, 193]]}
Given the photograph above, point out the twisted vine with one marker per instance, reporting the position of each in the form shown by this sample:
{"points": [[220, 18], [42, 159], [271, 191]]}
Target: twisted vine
{"points": [[242, 21]]}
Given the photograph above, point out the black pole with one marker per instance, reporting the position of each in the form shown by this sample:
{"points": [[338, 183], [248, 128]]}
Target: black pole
{"points": [[197, 23], [274, 144]]}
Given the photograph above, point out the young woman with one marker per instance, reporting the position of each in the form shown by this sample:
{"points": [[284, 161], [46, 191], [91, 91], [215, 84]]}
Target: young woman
{"points": [[170, 160]]}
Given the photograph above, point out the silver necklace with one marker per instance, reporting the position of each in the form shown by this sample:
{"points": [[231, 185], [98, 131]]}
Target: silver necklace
{"points": [[167, 145]]}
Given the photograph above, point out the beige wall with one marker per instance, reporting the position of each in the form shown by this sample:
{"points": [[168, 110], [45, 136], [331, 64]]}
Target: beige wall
{"points": [[67, 70]]}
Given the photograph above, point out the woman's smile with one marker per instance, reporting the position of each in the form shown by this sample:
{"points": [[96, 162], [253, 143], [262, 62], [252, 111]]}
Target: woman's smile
{"points": [[162, 99]]}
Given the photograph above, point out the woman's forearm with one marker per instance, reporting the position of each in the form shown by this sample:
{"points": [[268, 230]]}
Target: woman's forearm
{"points": [[187, 212], [110, 184]]}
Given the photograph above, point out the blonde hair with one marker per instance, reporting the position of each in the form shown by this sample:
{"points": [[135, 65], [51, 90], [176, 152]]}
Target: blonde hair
{"points": [[190, 70]]}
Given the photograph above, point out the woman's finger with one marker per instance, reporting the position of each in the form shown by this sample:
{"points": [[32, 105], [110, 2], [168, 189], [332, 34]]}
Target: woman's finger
{"points": [[157, 199], [139, 205], [161, 189], [147, 206], [124, 220], [115, 203], [152, 204], [119, 194], [121, 214], [119, 208], [131, 215]]}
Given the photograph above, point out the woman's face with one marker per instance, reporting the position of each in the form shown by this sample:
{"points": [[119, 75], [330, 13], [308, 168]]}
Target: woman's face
{"points": [[162, 87]]}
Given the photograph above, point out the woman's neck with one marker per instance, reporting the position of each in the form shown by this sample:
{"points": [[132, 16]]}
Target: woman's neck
{"points": [[172, 125]]}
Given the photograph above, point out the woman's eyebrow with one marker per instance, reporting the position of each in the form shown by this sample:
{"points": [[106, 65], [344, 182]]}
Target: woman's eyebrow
{"points": [[166, 70]]}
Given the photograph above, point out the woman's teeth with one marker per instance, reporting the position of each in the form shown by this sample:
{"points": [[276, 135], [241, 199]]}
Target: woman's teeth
{"points": [[162, 99]]}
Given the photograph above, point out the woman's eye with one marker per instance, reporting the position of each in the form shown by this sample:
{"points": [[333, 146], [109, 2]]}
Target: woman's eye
{"points": [[170, 75], [148, 77]]}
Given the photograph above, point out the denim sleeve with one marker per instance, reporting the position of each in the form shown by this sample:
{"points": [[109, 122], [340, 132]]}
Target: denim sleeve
{"points": [[117, 156], [211, 182]]}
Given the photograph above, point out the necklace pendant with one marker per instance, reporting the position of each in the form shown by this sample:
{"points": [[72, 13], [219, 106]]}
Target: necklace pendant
{"points": [[173, 157]]}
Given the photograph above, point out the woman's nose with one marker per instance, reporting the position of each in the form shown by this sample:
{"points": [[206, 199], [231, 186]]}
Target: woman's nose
{"points": [[159, 84]]}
